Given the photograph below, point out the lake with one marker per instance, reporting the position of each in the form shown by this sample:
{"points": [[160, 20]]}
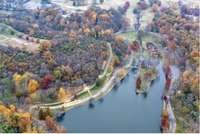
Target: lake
{"points": [[122, 110]]}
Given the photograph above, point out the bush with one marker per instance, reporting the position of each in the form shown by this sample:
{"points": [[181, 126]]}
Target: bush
{"points": [[185, 110], [57, 74], [99, 82]]}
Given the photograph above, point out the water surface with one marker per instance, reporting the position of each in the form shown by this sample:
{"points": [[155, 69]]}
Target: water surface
{"points": [[121, 110]]}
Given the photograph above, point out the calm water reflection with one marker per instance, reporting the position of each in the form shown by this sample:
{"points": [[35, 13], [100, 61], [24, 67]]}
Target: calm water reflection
{"points": [[120, 111]]}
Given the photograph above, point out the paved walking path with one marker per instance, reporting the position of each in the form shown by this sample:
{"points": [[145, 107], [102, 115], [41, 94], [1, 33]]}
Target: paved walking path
{"points": [[175, 77], [103, 91], [172, 120]]}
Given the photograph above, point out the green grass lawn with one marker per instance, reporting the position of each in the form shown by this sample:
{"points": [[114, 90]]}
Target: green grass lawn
{"points": [[2, 37], [82, 95], [95, 88], [103, 80], [146, 37], [8, 31], [131, 36], [179, 126]]}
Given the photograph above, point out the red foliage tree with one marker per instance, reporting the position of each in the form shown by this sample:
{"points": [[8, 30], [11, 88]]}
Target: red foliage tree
{"points": [[135, 46], [48, 79], [138, 83]]}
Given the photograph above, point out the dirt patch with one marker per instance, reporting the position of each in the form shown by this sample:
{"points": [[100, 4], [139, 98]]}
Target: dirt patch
{"points": [[19, 43]]}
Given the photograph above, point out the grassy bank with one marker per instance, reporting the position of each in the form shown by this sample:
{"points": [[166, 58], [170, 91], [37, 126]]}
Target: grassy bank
{"points": [[146, 37]]}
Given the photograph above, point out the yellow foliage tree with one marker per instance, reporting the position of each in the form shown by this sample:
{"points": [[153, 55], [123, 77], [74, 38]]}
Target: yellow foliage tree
{"points": [[5, 111], [93, 15], [195, 81], [34, 130], [61, 94], [195, 85], [72, 34], [25, 121], [122, 73], [47, 55], [86, 30], [44, 45], [119, 39], [17, 78], [186, 75], [116, 61], [165, 113], [12, 108], [107, 32], [33, 85]]}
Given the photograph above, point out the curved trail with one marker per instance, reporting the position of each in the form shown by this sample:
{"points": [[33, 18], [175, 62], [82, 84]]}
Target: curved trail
{"points": [[121, 111], [105, 89], [109, 85]]}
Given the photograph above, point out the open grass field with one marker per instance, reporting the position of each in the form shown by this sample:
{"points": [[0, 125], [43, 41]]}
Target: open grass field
{"points": [[146, 37]]}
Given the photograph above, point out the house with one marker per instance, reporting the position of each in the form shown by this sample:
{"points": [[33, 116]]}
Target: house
{"points": [[79, 2]]}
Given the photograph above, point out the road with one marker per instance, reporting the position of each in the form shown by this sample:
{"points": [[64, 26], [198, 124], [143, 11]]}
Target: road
{"points": [[175, 77], [172, 119]]}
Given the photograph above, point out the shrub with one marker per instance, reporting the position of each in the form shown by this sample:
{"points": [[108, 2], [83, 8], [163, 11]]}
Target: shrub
{"points": [[33, 85], [57, 73]]}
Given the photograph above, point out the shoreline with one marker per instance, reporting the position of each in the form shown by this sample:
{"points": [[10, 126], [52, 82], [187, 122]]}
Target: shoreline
{"points": [[105, 89], [169, 94]]}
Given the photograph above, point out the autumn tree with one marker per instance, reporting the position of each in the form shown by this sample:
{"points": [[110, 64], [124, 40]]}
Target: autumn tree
{"points": [[33, 85], [61, 94], [47, 79]]}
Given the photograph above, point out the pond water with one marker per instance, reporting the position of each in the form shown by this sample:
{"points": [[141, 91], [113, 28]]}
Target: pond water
{"points": [[120, 111]]}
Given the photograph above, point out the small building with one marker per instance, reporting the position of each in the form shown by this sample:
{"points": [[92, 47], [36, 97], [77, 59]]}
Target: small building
{"points": [[79, 2], [86, 2]]}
